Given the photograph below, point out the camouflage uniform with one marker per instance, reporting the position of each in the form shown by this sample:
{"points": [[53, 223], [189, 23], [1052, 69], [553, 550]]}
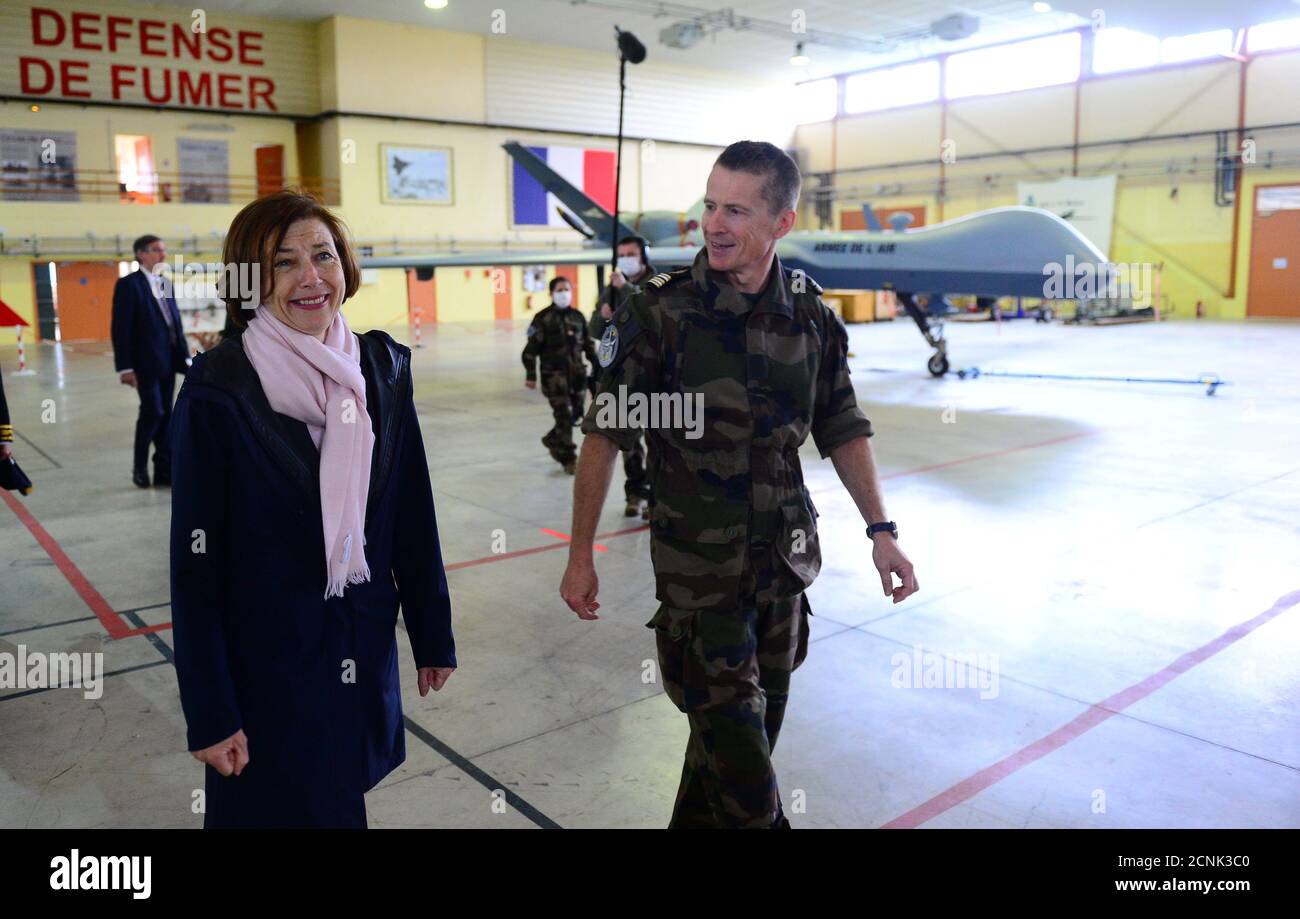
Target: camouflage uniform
{"points": [[734, 537], [558, 335], [635, 485]]}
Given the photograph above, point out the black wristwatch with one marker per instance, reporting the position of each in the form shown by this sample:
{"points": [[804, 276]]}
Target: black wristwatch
{"points": [[887, 527]]}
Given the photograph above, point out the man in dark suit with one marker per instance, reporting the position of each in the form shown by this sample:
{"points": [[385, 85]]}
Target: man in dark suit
{"points": [[149, 349]]}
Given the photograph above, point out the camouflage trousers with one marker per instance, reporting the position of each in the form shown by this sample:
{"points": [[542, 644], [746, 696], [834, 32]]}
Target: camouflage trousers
{"points": [[565, 392], [636, 485], [729, 672]]}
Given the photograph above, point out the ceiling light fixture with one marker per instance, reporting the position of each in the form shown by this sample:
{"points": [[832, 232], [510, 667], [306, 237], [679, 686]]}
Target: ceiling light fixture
{"points": [[681, 35]]}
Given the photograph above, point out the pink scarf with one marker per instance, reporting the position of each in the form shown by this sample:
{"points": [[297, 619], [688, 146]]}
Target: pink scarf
{"points": [[321, 385]]}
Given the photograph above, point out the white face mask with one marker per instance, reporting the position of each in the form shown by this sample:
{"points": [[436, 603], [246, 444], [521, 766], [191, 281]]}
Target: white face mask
{"points": [[630, 265], [562, 297]]}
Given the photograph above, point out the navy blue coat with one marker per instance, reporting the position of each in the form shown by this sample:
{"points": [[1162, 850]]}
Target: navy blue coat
{"points": [[140, 336], [257, 646]]}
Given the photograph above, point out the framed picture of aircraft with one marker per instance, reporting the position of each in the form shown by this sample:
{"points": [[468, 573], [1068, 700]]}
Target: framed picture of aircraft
{"points": [[415, 175]]}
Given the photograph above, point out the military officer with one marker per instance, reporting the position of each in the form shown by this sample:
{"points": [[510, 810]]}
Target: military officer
{"points": [[734, 533], [630, 275], [558, 336]]}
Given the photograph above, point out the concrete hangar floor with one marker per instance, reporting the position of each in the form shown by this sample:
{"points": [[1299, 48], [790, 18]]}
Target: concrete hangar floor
{"points": [[1113, 567]]}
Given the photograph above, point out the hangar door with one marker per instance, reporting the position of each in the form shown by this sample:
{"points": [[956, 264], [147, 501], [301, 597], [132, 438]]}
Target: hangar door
{"points": [[84, 300], [1275, 253]]}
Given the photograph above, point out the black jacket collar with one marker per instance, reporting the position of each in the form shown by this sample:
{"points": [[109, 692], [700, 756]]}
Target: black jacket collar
{"points": [[386, 367]]}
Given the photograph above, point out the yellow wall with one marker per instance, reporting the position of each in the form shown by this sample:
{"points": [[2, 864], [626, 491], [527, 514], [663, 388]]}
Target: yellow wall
{"points": [[394, 69], [377, 304], [481, 171], [374, 67], [1187, 233], [107, 217], [102, 222], [411, 72]]}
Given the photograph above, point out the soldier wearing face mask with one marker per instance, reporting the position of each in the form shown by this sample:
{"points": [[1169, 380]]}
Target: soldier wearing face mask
{"points": [[558, 336], [633, 270]]}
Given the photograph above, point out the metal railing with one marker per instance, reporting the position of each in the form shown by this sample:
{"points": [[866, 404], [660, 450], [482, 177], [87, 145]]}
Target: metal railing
{"points": [[118, 246], [50, 183]]}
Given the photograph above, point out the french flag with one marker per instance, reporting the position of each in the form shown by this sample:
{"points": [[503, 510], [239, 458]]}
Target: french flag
{"points": [[590, 171]]}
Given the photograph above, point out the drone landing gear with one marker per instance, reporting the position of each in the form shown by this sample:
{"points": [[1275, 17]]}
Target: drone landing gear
{"points": [[932, 330]]}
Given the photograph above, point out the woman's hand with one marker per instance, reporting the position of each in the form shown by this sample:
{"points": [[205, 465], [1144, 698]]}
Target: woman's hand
{"points": [[228, 757], [434, 677]]}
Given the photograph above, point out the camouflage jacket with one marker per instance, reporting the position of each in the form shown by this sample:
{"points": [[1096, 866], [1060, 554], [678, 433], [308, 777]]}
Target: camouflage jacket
{"points": [[558, 335], [618, 296], [732, 522]]}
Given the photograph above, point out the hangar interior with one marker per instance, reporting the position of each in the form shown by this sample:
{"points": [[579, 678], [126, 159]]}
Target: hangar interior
{"points": [[1096, 529]]}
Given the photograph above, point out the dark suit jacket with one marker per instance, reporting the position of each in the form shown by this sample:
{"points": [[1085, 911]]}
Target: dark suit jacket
{"points": [[257, 645], [140, 335]]}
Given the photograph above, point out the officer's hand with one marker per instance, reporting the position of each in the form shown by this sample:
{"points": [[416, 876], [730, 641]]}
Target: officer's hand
{"points": [[606, 311], [6, 451], [433, 678], [128, 379], [531, 384], [578, 589], [890, 560], [616, 279], [228, 757]]}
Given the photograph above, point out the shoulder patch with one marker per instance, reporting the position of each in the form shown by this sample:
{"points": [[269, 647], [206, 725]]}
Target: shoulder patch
{"points": [[607, 347], [614, 345], [664, 278]]}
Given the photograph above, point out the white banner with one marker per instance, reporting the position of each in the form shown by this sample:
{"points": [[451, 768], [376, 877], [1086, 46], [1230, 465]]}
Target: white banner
{"points": [[1086, 204], [205, 170]]}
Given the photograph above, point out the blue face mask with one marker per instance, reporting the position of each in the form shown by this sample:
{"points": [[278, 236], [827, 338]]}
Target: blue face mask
{"points": [[562, 297], [630, 265]]}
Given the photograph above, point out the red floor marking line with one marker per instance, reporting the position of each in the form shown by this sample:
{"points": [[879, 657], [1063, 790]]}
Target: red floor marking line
{"points": [[456, 566], [995, 453], [565, 536], [111, 621], [559, 545], [1095, 715]]}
